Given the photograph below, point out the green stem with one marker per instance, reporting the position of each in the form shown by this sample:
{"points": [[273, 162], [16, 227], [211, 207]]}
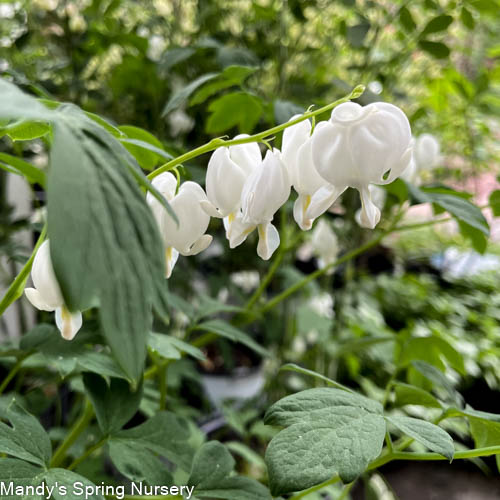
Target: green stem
{"points": [[218, 142], [80, 425], [459, 455], [162, 383], [87, 454], [316, 274], [318, 487], [13, 372], [16, 288]]}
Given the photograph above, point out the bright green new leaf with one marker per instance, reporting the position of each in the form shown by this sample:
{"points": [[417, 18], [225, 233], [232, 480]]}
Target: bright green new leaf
{"points": [[239, 109], [426, 433], [329, 431], [23, 130]]}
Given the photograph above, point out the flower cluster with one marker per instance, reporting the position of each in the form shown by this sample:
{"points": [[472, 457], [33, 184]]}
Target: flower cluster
{"points": [[358, 147]]}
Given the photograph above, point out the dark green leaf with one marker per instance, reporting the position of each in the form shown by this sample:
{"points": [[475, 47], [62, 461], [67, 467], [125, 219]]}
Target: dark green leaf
{"points": [[466, 18], [25, 438], [70, 486], [169, 347], [439, 23], [406, 19], [356, 34], [426, 433], [494, 202], [407, 394], [230, 332], [182, 95], [19, 474], [436, 49], [328, 431], [114, 403], [97, 214]]}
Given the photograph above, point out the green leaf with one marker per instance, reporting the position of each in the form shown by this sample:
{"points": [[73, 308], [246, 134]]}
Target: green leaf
{"points": [[23, 168], [328, 431], [183, 94], [97, 214], [230, 77], [67, 357], [138, 464], [220, 327], [210, 474], [407, 394], [70, 486], [466, 18], [494, 202], [143, 146], [436, 49], [114, 403], [485, 432], [208, 306], [20, 474], [426, 433], [17, 105], [304, 371], [454, 203], [25, 438], [356, 34], [236, 109], [165, 434], [175, 55], [406, 19], [23, 130], [478, 239], [169, 347], [439, 23]]}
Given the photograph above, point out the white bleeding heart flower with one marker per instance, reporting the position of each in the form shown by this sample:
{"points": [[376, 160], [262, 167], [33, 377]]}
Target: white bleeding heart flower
{"points": [[188, 237], [296, 154], [264, 192], [228, 169], [426, 152], [357, 147], [378, 196], [324, 243], [46, 294]]}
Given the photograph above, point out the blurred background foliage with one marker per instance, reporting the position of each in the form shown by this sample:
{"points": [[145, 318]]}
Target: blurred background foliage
{"points": [[175, 73]]}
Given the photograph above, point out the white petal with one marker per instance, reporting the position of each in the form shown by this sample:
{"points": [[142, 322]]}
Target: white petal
{"points": [[209, 209], [238, 231], [247, 156], [269, 241], [171, 256], [44, 278], [36, 299], [370, 214], [322, 200], [199, 245], [68, 323], [299, 212]]}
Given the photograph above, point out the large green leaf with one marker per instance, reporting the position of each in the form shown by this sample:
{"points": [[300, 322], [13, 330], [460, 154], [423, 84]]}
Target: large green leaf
{"points": [[328, 431], [239, 109], [25, 438], [430, 435], [17, 474], [437, 24], [114, 403], [16, 105], [211, 476], [105, 244], [165, 434], [70, 486]]}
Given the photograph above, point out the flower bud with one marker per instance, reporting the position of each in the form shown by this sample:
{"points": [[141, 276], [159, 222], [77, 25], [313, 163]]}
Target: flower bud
{"points": [[359, 146], [426, 152], [324, 243], [187, 237], [264, 192], [297, 157], [46, 294]]}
